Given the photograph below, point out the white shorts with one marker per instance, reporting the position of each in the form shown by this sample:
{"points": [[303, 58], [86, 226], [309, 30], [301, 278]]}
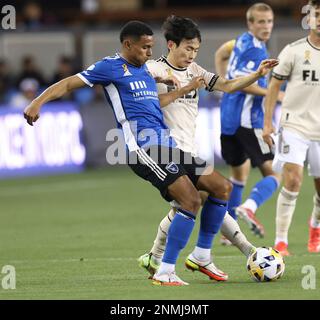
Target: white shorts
{"points": [[293, 148]]}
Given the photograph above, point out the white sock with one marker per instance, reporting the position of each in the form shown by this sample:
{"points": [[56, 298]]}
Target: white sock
{"points": [[166, 268], [250, 204], [159, 243], [231, 230], [240, 183], [315, 216], [202, 254], [281, 239], [286, 205]]}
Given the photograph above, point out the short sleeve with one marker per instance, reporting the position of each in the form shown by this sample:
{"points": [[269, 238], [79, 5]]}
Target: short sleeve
{"points": [[209, 77], [286, 59], [249, 61], [98, 73]]}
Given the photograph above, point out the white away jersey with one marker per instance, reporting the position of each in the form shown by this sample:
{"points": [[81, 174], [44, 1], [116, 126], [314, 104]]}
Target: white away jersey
{"points": [[300, 65], [180, 115]]}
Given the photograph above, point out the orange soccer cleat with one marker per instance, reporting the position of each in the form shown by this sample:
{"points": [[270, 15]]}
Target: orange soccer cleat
{"points": [[282, 247], [314, 239]]}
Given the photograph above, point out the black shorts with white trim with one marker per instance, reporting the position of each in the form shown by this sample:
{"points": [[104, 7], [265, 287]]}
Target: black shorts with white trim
{"points": [[245, 144], [162, 166]]}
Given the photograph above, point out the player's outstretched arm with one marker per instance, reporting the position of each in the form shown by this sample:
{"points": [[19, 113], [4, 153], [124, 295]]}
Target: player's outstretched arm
{"points": [[233, 85], [166, 98], [221, 60], [269, 105], [57, 90]]}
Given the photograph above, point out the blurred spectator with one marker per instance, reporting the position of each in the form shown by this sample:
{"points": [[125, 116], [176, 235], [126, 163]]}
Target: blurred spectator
{"points": [[64, 69], [6, 81], [28, 91], [32, 16], [116, 5], [30, 70], [89, 6]]}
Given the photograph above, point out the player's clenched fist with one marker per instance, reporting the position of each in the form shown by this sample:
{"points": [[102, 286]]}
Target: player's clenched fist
{"points": [[31, 113]]}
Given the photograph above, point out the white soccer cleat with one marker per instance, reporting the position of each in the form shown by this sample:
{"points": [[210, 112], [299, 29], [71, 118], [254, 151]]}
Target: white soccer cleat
{"points": [[208, 268], [168, 279]]}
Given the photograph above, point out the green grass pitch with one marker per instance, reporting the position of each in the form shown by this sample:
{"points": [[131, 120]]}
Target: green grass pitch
{"points": [[78, 237]]}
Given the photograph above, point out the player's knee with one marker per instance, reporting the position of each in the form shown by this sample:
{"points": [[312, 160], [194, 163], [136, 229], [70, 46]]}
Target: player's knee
{"points": [[226, 189], [223, 191], [293, 182], [192, 202]]}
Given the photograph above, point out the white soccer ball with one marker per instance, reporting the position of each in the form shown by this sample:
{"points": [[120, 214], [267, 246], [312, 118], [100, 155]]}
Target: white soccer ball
{"points": [[265, 264]]}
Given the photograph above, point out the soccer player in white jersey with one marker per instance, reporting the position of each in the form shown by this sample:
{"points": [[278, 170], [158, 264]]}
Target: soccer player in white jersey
{"points": [[299, 135], [180, 109]]}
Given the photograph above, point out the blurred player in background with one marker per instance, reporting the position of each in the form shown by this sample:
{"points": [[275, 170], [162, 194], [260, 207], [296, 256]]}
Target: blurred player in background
{"points": [[180, 110], [299, 136], [152, 153], [242, 117]]}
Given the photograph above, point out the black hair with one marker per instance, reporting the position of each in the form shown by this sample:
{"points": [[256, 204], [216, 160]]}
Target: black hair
{"points": [[135, 29], [178, 28], [314, 3]]}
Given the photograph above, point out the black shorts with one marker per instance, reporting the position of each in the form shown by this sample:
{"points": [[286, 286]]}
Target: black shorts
{"points": [[245, 143], [161, 166]]}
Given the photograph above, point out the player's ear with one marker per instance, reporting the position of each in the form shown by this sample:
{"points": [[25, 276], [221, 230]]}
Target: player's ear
{"points": [[127, 44], [171, 45]]}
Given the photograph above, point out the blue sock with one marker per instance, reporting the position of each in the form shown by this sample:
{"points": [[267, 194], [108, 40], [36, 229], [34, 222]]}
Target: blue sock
{"points": [[212, 215], [263, 190], [178, 235], [235, 198]]}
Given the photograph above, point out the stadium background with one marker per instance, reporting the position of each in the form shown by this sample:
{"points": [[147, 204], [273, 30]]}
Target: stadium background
{"points": [[50, 222]]}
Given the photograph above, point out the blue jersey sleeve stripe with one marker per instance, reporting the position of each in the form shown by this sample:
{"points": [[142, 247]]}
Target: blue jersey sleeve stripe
{"points": [[85, 80]]}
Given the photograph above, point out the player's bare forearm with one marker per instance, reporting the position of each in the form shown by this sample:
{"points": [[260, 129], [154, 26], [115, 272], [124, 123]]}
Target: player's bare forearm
{"points": [[55, 91], [271, 100], [269, 105], [240, 83], [233, 85], [167, 98]]}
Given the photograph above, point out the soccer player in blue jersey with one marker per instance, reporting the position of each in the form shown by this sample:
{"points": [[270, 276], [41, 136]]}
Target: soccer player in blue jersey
{"points": [[152, 155], [180, 110], [242, 116]]}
